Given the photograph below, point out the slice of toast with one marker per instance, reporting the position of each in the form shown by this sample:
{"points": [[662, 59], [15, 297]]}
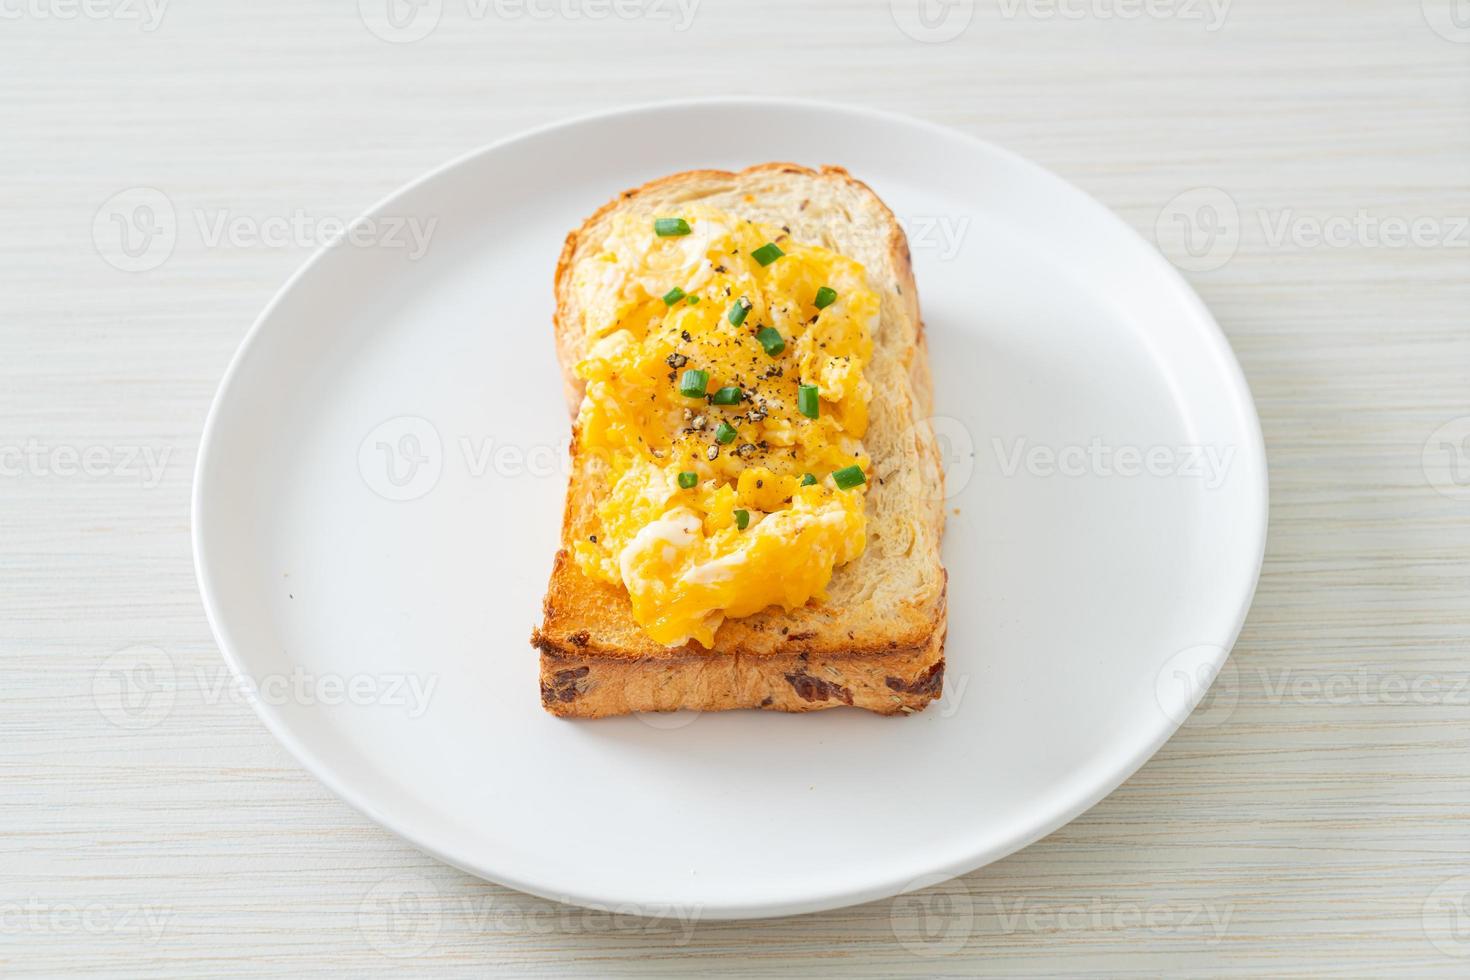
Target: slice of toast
{"points": [[877, 641]]}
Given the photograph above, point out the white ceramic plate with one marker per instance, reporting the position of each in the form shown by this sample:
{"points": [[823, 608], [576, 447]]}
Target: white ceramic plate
{"points": [[380, 486]]}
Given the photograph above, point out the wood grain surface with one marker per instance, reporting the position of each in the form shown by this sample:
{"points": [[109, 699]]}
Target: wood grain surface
{"points": [[1306, 161]]}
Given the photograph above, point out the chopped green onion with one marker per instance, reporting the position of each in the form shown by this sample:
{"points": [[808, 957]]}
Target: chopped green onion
{"points": [[670, 227], [826, 296], [673, 296], [694, 300], [688, 479], [725, 433], [849, 477], [770, 338], [742, 519], [807, 479], [767, 253], [738, 311], [692, 383], [806, 401], [727, 396]]}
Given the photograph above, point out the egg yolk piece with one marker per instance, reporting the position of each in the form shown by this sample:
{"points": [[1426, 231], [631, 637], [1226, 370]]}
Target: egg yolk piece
{"points": [[719, 400]]}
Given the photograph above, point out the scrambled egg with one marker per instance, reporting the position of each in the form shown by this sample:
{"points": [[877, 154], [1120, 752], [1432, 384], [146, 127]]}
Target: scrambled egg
{"points": [[725, 392]]}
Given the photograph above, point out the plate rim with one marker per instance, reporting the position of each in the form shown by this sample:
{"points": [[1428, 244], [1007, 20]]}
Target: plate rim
{"points": [[812, 899]]}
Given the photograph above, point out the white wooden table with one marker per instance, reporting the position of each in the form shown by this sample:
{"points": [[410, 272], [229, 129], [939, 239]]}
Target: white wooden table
{"points": [[1314, 817]]}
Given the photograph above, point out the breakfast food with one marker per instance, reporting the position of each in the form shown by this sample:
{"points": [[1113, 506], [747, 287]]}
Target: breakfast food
{"points": [[755, 505]]}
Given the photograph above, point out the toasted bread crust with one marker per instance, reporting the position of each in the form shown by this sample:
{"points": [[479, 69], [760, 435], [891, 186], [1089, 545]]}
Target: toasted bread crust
{"points": [[584, 683], [868, 646]]}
